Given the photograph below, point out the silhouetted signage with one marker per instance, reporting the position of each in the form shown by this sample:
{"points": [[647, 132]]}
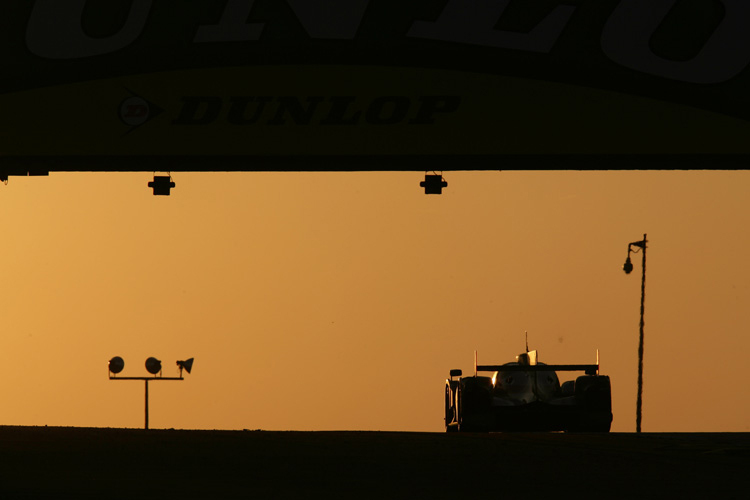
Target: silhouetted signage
{"points": [[372, 84]]}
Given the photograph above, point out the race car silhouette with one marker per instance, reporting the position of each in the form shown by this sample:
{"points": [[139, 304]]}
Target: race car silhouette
{"points": [[527, 396]]}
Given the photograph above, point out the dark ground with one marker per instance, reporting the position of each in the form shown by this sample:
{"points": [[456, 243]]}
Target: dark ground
{"points": [[61, 463]]}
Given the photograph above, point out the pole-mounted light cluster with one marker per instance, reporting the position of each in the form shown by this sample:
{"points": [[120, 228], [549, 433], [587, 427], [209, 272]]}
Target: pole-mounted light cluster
{"points": [[153, 366]]}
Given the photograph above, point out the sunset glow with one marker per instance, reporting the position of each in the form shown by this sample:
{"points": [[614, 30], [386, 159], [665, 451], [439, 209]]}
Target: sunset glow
{"points": [[328, 301]]}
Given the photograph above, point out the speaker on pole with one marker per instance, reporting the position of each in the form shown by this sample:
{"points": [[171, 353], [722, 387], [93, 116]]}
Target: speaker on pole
{"points": [[187, 365]]}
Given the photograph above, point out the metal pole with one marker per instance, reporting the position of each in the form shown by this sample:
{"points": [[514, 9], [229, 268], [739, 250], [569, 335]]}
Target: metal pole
{"points": [[146, 380], [639, 402]]}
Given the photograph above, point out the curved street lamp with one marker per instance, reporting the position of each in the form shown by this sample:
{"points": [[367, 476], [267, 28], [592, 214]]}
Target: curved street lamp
{"points": [[628, 268]]}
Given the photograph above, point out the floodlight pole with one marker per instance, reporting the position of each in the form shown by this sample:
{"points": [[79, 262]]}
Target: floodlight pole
{"points": [[146, 380]]}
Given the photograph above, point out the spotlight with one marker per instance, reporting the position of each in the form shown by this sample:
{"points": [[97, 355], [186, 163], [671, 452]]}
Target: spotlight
{"points": [[153, 366], [187, 365], [116, 365]]}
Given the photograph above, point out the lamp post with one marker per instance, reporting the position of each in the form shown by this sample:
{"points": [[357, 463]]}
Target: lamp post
{"points": [[153, 366], [628, 267]]}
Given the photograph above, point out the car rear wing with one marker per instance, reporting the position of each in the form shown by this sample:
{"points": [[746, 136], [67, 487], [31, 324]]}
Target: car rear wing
{"points": [[589, 369], [529, 364]]}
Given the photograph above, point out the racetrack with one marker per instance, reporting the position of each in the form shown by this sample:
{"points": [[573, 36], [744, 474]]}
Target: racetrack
{"points": [[48, 462]]}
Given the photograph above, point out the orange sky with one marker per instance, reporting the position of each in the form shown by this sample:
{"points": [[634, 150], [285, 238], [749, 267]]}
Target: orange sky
{"points": [[326, 301]]}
